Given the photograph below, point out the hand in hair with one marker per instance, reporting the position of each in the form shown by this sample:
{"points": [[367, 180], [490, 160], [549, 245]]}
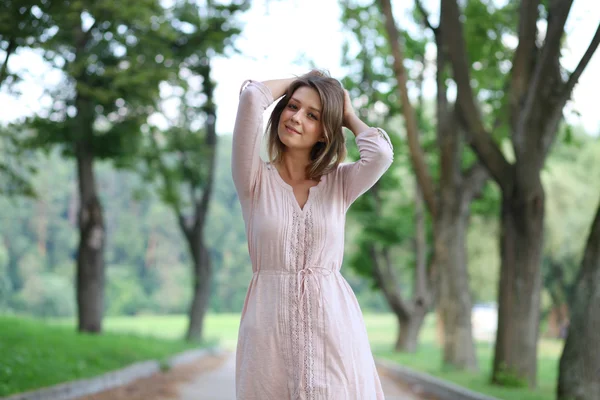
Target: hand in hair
{"points": [[348, 109], [351, 120]]}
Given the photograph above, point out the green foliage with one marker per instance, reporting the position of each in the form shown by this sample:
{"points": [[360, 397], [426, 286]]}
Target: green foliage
{"points": [[124, 293], [385, 214], [570, 206], [46, 295], [61, 354], [485, 26], [111, 56], [17, 164], [23, 23]]}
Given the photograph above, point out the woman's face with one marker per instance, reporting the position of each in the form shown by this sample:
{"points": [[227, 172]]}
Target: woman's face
{"points": [[300, 124]]}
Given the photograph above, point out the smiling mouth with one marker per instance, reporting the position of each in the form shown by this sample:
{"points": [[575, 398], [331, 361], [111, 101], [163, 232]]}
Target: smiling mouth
{"points": [[290, 130]]}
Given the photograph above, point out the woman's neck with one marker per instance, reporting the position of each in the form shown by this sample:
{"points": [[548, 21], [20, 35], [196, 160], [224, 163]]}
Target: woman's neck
{"points": [[294, 165]]}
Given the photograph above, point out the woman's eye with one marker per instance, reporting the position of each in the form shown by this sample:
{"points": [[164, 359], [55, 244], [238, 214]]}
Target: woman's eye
{"points": [[292, 106], [313, 116]]}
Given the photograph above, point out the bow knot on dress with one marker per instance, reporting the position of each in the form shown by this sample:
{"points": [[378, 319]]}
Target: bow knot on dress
{"points": [[307, 273]]}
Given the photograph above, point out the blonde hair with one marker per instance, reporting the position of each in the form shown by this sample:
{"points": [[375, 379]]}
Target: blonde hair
{"points": [[325, 156]]}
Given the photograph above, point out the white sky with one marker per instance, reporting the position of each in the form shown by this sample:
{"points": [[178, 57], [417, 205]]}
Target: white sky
{"points": [[280, 37]]}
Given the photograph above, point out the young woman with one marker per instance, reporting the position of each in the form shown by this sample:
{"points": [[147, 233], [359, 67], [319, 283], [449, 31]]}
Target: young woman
{"points": [[302, 335]]}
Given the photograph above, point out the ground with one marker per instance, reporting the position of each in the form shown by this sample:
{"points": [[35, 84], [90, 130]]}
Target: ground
{"points": [[213, 378]]}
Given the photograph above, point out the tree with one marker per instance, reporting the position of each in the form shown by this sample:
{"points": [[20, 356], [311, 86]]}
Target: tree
{"points": [[392, 246], [184, 156], [579, 370], [536, 95], [449, 201], [111, 55]]}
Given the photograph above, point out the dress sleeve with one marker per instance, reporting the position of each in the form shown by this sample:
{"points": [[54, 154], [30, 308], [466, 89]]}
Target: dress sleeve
{"points": [[376, 156], [246, 164]]}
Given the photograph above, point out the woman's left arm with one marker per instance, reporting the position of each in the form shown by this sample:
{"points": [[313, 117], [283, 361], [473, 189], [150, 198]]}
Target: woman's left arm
{"points": [[376, 155]]}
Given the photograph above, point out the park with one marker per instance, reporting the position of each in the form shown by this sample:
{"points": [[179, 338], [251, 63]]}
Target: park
{"points": [[124, 250]]}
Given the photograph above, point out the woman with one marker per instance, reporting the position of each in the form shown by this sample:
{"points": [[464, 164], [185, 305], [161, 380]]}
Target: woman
{"points": [[302, 335]]}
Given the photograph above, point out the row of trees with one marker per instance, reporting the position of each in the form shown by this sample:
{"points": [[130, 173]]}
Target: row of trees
{"points": [[119, 63], [501, 127]]}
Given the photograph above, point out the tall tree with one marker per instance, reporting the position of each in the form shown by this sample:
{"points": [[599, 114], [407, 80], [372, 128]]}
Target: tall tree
{"points": [[448, 201], [111, 58], [187, 183], [538, 89], [391, 251], [579, 371]]}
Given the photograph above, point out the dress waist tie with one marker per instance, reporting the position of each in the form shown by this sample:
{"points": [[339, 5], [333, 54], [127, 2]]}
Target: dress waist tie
{"points": [[304, 275]]}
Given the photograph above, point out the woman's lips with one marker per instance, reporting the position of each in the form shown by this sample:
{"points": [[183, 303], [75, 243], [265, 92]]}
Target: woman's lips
{"points": [[293, 131]]}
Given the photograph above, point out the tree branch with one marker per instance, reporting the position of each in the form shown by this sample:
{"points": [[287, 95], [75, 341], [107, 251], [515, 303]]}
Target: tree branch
{"points": [[565, 95], [474, 180], [12, 45], [559, 11], [421, 283], [523, 58], [425, 16], [482, 143], [416, 152], [388, 286], [447, 132]]}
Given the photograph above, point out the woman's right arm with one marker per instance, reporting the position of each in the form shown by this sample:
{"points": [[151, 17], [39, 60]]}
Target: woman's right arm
{"points": [[278, 87], [255, 98]]}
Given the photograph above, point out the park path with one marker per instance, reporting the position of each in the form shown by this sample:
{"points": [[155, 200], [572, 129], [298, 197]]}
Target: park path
{"points": [[219, 384], [213, 378]]}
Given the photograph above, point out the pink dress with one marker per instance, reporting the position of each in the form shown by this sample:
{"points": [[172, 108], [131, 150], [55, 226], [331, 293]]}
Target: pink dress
{"points": [[302, 334]]}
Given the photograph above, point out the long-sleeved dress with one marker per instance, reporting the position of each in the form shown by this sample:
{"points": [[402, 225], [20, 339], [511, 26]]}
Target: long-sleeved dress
{"points": [[302, 334]]}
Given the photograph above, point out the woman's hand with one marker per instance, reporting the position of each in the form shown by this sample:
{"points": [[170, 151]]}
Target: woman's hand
{"points": [[349, 114], [350, 119]]}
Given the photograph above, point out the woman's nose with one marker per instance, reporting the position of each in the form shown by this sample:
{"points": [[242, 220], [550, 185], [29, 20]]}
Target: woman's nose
{"points": [[296, 116]]}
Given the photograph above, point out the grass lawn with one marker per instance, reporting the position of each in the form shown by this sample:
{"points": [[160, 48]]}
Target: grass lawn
{"points": [[35, 354], [382, 332], [43, 354]]}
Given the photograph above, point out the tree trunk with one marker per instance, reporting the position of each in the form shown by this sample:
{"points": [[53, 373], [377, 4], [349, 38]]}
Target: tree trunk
{"points": [[409, 327], [558, 319], [579, 369], [521, 240], [12, 264], [455, 302], [200, 253], [201, 295], [90, 255], [410, 314]]}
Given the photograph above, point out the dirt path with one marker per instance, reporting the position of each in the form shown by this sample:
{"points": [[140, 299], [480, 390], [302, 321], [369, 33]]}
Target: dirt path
{"points": [[213, 378], [219, 384]]}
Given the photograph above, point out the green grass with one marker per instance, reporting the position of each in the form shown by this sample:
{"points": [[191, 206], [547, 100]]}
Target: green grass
{"points": [[35, 354], [382, 332], [218, 328], [44, 354]]}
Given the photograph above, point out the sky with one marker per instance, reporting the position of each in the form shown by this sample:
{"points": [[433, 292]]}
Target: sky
{"points": [[281, 37]]}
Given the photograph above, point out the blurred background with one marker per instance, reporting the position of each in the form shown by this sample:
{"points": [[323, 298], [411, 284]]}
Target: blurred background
{"points": [[118, 215]]}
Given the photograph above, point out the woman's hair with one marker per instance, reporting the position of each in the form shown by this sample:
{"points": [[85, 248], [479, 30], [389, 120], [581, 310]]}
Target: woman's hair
{"points": [[325, 156]]}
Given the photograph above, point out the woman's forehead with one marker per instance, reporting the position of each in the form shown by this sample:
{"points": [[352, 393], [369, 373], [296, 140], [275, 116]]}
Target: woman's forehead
{"points": [[308, 97]]}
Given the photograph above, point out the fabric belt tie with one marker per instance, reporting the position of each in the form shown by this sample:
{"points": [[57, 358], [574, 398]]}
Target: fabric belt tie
{"points": [[304, 275]]}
